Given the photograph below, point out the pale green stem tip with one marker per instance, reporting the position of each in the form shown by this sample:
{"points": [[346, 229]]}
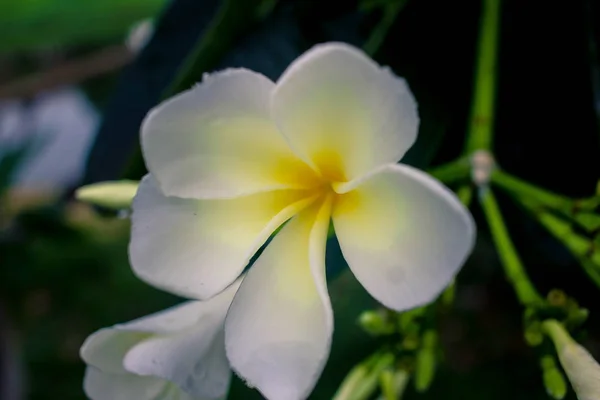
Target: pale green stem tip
{"points": [[115, 195]]}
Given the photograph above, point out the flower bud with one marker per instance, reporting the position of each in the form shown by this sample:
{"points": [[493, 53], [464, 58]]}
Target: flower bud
{"points": [[426, 362], [554, 381], [581, 368], [533, 334], [361, 382], [375, 323], [393, 383], [115, 195]]}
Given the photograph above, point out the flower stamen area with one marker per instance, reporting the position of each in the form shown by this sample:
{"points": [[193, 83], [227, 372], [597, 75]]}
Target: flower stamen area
{"points": [[328, 172]]}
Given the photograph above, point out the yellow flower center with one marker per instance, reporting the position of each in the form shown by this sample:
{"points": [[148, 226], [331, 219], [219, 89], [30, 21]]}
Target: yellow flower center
{"points": [[319, 180]]}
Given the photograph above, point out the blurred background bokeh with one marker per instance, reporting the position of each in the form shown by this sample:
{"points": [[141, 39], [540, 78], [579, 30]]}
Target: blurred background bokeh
{"points": [[77, 77]]}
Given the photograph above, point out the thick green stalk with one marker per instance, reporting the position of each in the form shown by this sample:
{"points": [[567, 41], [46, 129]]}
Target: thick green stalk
{"points": [[513, 267], [521, 188], [582, 212], [479, 136]]}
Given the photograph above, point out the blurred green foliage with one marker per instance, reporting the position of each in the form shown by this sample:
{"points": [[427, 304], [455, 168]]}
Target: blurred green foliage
{"points": [[39, 24]]}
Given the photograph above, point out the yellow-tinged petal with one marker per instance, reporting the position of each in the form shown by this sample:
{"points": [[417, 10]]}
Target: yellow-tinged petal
{"points": [[278, 329], [404, 235], [217, 141], [343, 113], [196, 248]]}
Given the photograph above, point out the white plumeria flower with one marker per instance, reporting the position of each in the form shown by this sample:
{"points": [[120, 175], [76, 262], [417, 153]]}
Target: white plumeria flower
{"points": [[176, 354], [581, 368], [236, 156]]}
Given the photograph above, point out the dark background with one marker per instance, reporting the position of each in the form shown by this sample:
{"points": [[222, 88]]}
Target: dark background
{"points": [[63, 266]]}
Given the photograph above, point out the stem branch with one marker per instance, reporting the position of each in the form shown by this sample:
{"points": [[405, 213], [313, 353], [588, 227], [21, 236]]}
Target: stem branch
{"points": [[513, 267], [521, 188]]}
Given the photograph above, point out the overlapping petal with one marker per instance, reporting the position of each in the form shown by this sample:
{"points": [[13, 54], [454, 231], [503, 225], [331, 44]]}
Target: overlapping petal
{"points": [[404, 235], [194, 360], [217, 141], [196, 248], [343, 113], [99, 385], [106, 348], [279, 326], [175, 354]]}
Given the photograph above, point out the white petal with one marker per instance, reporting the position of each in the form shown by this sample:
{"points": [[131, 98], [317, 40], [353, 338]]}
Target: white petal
{"points": [[193, 359], [343, 113], [195, 248], [177, 318], [278, 329], [100, 385], [404, 235], [581, 368], [105, 349], [217, 141], [583, 371]]}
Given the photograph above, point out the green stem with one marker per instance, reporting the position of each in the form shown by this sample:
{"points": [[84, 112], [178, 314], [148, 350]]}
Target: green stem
{"points": [[479, 136], [453, 171], [378, 34], [562, 230], [519, 187], [580, 246], [513, 267]]}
